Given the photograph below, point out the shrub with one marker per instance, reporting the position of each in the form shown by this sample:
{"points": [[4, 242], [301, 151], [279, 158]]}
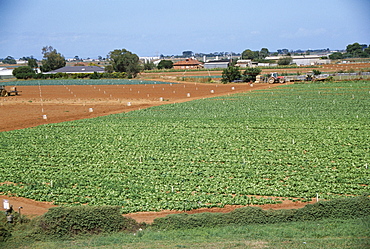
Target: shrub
{"points": [[95, 76], [285, 61], [6, 229], [70, 221], [60, 75], [230, 74], [346, 208], [25, 72], [4, 233], [165, 64], [316, 72], [250, 73]]}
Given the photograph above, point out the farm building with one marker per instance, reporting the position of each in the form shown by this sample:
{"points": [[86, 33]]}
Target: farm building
{"points": [[217, 64], [303, 60], [188, 64], [244, 63], [78, 69], [6, 73], [149, 59]]}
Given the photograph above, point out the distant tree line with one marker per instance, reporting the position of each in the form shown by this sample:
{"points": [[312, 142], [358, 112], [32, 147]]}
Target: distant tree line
{"points": [[9, 60], [233, 74], [126, 64], [354, 50]]}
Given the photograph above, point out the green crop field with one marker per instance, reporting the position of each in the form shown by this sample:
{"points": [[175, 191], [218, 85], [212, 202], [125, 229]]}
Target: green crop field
{"points": [[292, 141]]}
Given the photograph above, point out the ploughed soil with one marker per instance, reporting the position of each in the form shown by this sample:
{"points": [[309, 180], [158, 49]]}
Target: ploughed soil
{"points": [[37, 105]]}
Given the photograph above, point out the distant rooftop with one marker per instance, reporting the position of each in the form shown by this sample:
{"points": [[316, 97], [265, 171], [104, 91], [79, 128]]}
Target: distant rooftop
{"points": [[78, 69]]}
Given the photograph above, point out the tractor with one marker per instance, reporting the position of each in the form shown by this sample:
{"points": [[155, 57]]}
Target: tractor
{"points": [[5, 93], [274, 78]]}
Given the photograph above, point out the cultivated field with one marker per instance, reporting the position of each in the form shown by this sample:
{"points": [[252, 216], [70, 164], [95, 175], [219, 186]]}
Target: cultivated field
{"points": [[63, 100], [293, 141], [216, 75]]}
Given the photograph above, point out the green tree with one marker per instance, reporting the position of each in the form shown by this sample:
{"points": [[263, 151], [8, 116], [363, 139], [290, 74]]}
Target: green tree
{"points": [[24, 72], [32, 63], [108, 69], [52, 59], [165, 64], [336, 56], [230, 74], [286, 60], [124, 61], [264, 53], [250, 73], [354, 50], [9, 60], [148, 65], [249, 54], [187, 54], [367, 50]]}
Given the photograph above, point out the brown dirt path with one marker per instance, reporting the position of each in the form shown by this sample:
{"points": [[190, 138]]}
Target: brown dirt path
{"points": [[148, 217], [65, 103]]}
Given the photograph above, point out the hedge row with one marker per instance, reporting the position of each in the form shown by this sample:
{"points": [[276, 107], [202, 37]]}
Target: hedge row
{"points": [[70, 221], [346, 208]]}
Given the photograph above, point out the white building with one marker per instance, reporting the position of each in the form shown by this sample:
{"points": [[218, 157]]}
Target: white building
{"points": [[6, 73], [244, 63], [304, 60], [149, 59], [216, 64]]}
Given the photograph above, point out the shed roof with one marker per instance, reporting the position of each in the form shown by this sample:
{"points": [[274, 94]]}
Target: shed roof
{"points": [[187, 62], [78, 69], [218, 61]]}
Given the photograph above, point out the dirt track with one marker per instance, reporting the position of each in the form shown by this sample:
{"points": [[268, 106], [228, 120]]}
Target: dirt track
{"points": [[64, 103]]}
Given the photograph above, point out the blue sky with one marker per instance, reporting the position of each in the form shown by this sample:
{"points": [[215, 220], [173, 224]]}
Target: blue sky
{"points": [[92, 28]]}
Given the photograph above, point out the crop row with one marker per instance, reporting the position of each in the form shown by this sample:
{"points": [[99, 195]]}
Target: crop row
{"points": [[292, 141]]}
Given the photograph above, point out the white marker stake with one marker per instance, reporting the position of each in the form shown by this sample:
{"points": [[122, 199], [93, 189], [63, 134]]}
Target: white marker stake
{"points": [[6, 204]]}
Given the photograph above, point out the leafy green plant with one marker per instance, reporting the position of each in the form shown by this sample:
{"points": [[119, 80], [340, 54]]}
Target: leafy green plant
{"points": [[291, 141]]}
